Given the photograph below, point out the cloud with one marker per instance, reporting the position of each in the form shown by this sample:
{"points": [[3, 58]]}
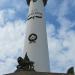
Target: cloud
{"points": [[61, 45], [19, 6], [12, 35], [6, 15], [11, 44], [61, 50]]}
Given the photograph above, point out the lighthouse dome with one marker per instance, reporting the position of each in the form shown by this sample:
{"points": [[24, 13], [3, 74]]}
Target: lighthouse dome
{"points": [[44, 1]]}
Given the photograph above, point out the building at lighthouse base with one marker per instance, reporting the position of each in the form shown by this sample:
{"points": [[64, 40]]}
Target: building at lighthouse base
{"points": [[35, 73]]}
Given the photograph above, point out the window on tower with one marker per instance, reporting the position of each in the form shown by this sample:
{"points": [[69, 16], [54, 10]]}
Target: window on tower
{"points": [[34, 0]]}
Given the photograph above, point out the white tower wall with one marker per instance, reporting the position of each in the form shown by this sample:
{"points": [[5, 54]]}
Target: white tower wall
{"points": [[37, 50]]}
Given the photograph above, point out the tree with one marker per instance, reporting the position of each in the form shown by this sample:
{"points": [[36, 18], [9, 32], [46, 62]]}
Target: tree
{"points": [[71, 71]]}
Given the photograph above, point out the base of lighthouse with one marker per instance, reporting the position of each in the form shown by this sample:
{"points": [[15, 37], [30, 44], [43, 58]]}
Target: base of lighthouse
{"points": [[35, 73]]}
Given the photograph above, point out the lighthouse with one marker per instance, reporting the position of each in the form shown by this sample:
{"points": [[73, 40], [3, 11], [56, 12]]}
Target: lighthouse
{"points": [[36, 38]]}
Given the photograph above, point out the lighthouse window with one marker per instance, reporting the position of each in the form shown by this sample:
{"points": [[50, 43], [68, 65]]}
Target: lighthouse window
{"points": [[34, 0], [38, 16], [29, 18], [34, 17]]}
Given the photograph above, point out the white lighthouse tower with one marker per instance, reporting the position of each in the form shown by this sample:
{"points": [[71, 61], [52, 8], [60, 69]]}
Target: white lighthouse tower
{"points": [[36, 37]]}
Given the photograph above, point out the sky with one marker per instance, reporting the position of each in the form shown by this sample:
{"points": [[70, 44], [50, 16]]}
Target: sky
{"points": [[60, 25]]}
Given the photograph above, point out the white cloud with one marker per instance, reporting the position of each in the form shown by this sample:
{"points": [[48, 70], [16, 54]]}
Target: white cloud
{"points": [[11, 44], [12, 35], [61, 46], [5, 15], [61, 51], [50, 29]]}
